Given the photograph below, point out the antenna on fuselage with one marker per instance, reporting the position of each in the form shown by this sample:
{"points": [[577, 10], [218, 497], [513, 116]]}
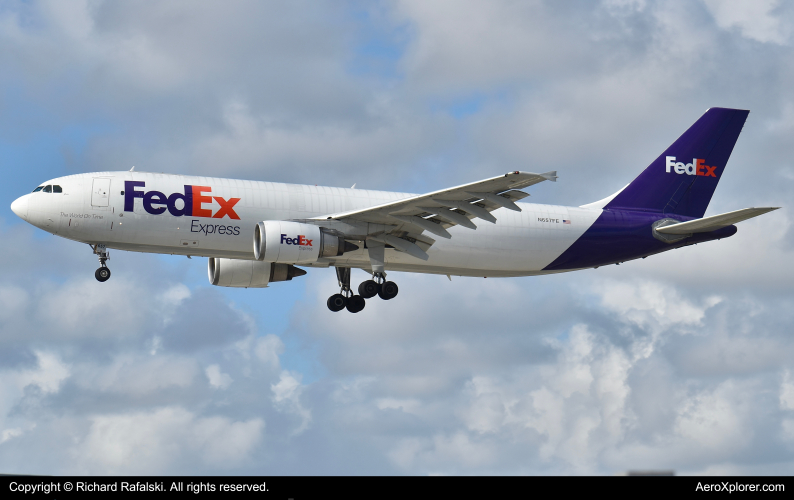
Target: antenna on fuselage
{"points": [[133, 168]]}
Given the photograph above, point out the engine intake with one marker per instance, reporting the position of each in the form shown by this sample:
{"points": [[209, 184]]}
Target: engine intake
{"points": [[249, 273], [296, 243]]}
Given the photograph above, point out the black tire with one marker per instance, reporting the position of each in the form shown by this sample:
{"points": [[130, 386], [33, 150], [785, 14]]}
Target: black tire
{"points": [[336, 302], [102, 274], [388, 290], [368, 289], [356, 303]]}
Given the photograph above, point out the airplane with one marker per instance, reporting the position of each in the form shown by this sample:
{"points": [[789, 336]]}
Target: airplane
{"points": [[478, 229]]}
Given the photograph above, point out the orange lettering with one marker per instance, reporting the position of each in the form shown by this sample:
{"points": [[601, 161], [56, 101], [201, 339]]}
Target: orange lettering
{"points": [[699, 168], [226, 208], [198, 200]]}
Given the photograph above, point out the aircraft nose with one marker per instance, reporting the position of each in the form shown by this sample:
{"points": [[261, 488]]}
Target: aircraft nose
{"points": [[20, 207]]}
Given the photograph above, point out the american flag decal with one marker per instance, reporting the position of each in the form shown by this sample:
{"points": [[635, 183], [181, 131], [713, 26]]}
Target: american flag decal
{"points": [[565, 221]]}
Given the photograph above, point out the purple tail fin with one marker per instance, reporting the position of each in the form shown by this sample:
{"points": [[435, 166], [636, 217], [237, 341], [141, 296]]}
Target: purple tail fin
{"points": [[682, 180]]}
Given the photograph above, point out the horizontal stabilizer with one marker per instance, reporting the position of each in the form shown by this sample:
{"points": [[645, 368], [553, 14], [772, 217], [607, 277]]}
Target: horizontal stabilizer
{"points": [[708, 224]]}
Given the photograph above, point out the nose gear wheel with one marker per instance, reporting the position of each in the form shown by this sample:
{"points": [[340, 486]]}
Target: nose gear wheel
{"points": [[103, 273]]}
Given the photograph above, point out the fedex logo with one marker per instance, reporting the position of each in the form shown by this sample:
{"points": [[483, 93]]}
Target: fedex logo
{"points": [[192, 201], [300, 240], [695, 168]]}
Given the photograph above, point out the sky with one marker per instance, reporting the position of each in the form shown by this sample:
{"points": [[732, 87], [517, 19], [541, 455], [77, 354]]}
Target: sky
{"points": [[683, 361]]}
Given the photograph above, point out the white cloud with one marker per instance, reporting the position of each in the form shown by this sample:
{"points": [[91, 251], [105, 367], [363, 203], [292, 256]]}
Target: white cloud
{"points": [[406, 405], [265, 349], [175, 295], [137, 374], [252, 141], [49, 374], [155, 441], [712, 422], [218, 379], [755, 19], [457, 48], [9, 434], [80, 308], [287, 397], [488, 410], [787, 391], [13, 301], [649, 304], [268, 349], [46, 378]]}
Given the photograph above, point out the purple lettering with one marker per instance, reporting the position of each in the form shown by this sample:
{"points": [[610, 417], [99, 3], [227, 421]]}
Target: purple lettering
{"points": [[187, 199], [130, 194], [154, 198]]}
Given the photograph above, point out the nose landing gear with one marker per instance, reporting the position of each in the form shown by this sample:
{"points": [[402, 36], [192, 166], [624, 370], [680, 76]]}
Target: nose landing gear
{"points": [[103, 273]]}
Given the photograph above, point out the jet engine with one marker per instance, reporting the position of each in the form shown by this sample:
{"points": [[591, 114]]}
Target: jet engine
{"points": [[249, 273], [297, 243]]}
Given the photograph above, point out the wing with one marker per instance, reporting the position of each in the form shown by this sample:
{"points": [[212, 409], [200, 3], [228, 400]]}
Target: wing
{"points": [[437, 211]]}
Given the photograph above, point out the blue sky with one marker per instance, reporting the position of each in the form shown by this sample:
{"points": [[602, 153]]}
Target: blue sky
{"points": [[682, 361]]}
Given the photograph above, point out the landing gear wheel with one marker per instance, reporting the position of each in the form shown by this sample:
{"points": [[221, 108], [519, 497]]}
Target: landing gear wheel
{"points": [[102, 274], [388, 290], [336, 302], [368, 289], [356, 303]]}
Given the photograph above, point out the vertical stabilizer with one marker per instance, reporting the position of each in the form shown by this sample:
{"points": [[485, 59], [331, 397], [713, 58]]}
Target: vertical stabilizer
{"points": [[683, 179]]}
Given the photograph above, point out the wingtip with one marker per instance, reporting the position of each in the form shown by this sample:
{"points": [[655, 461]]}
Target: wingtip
{"points": [[550, 176]]}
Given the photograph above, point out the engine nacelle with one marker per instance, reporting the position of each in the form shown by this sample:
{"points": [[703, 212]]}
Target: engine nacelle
{"points": [[296, 243], [249, 273]]}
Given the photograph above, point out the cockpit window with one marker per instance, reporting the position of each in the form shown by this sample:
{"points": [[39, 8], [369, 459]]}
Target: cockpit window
{"points": [[57, 189], [38, 189], [47, 189]]}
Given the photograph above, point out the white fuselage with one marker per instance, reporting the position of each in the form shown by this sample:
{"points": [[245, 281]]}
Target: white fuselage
{"points": [[91, 209]]}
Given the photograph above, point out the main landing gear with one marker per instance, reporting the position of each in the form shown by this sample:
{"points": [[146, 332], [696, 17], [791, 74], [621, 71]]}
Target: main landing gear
{"points": [[386, 290], [345, 297], [103, 273], [354, 303]]}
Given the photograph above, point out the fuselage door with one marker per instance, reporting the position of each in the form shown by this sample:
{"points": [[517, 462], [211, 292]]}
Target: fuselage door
{"points": [[100, 192]]}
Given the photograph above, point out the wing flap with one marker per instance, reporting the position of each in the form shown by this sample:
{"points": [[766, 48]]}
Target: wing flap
{"points": [[708, 224], [396, 222], [406, 246], [426, 224], [504, 185]]}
